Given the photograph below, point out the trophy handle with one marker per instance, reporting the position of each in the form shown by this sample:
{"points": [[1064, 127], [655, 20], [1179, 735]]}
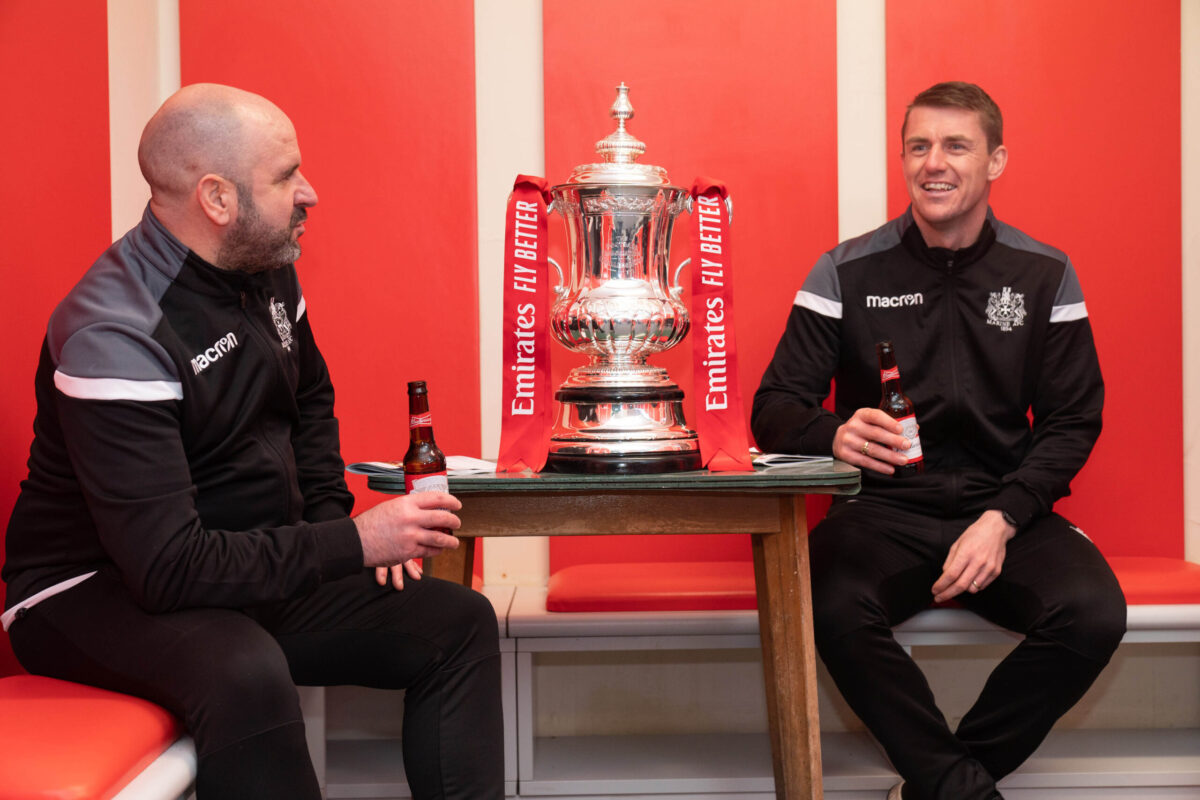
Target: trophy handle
{"points": [[675, 287], [561, 289]]}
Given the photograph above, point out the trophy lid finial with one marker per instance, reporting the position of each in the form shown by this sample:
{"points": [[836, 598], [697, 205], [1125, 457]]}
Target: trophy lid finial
{"points": [[620, 146], [619, 152]]}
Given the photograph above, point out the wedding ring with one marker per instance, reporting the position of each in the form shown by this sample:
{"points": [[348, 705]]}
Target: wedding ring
{"points": [[866, 446], [976, 585]]}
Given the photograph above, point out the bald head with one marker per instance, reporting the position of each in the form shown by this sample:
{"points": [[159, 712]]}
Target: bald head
{"points": [[201, 129]]}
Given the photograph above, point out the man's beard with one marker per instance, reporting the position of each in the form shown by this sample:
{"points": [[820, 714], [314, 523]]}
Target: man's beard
{"points": [[253, 246]]}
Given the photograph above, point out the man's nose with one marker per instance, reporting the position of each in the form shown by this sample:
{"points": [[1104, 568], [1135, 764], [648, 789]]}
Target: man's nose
{"points": [[306, 195], [936, 159]]}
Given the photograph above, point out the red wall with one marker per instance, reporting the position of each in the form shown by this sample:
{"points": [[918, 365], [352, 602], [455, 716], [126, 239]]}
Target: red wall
{"points": [[744, 92], [382, 96], [57, 215], [1090, 96]]}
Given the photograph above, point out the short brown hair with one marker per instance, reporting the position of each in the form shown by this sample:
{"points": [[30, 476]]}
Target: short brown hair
{"points": [[958, 94]]}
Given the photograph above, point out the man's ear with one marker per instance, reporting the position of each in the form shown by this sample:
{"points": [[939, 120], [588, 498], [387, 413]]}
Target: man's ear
{"points": [[217, 198], [997, 161]]}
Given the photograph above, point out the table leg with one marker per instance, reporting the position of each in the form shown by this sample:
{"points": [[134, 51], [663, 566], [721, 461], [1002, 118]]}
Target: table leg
{"points": [[454, 565], [785, 625]]}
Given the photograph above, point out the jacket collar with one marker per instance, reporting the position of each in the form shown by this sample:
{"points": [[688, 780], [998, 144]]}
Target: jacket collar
{"points": [[940, 257]]}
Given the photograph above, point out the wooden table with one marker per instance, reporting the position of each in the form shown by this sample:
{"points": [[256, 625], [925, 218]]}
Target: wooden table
{"points": [[768, 504]]}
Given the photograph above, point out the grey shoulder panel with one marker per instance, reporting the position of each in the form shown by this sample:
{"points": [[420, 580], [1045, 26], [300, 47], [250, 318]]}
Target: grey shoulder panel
{"points": [[103, 330], [885, 237], [1008, 235]]}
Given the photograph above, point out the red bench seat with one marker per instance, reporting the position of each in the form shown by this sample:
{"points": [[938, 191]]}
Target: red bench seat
{"points": [[67, 741], [726, 585]]}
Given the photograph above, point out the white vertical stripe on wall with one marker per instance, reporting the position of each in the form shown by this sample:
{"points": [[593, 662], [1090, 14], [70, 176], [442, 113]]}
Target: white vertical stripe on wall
{"points": [[1190, 206], [862, 116], [509, 141], [143, 70]]}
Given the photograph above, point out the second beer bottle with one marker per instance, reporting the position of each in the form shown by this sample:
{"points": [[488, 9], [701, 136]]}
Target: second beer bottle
{"points": [[895, 404], [424, 463]]}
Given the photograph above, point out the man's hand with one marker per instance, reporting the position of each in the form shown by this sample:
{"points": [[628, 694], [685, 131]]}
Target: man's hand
{"points": [[396, 571], [869, 440], [976, 558], [408, 527]]}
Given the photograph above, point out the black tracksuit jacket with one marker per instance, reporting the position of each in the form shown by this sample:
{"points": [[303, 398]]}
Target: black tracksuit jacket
{"points": [[184, 437], [994, 349]]}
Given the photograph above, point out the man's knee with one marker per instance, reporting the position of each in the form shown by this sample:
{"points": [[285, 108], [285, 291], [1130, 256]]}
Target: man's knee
{"points": [[1090, 617], [241, 693], [473, 615]]}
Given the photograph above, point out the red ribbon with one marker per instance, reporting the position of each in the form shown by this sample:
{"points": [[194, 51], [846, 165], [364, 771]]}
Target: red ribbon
{"points": [[720, 421], [526, 397]]}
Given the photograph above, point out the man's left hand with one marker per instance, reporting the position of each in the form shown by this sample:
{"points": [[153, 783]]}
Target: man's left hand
{"points": [[975, 558], [396, 571]]}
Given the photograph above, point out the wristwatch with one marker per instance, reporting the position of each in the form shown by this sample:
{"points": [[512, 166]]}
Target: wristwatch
{"points": [[1008, 518]]}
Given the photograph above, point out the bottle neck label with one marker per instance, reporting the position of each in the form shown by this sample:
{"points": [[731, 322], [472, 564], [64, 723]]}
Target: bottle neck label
{"points": [[435, 482], [889, 374], [913, 453], [420, 420]]}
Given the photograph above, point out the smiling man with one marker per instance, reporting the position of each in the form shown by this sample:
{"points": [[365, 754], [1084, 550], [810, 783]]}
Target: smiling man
{"points": [[185, 533], [995, 350]]}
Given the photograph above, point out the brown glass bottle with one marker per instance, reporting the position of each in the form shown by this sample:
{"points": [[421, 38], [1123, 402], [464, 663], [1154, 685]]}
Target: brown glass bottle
{"points": [[424, 463], [895, 404]]}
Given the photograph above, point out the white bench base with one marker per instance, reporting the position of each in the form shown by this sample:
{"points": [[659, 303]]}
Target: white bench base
{"points": [[1093, 764], [1143, 764], [1071, 764]]}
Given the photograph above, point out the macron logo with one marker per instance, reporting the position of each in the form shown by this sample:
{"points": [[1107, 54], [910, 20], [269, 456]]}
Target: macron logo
{"points": [[875, 301], [203, 361]]}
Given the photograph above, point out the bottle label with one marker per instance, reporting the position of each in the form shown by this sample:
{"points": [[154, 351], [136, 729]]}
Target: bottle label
{"points": [[435, 482], [889, 374], [913, 454], [420, 420]]}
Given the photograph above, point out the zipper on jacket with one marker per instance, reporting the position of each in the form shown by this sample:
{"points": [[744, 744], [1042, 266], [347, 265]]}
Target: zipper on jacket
{"points": [[952, 338], [264, 340]]}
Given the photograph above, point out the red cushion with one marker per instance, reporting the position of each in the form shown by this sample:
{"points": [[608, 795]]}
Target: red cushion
{"points": [[1152, 581], [653, 586], [719, 585], [68, 741]]}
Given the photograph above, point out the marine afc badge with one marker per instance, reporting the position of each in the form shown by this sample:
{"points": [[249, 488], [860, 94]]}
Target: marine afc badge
{"points": [[1006, 309], [284, 326]]}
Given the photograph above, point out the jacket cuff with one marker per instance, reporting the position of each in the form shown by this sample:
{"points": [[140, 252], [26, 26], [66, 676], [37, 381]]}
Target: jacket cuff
{"points": [[1017, 502], [338, 548]]}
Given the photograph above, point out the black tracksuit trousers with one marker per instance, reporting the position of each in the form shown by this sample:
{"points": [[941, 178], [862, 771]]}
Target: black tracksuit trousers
{"points": [[873, 566], [231, 676]]}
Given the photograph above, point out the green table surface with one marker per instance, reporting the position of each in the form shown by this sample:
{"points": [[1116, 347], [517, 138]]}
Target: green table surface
{"points": [[828, 477]]}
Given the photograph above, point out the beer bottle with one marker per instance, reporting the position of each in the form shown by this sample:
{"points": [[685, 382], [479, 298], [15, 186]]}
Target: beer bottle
{"points": [[895, 404], [424, 463]]}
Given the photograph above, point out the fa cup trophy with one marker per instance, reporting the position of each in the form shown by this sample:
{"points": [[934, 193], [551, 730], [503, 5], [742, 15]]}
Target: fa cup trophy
{"points": [[618, 414]]}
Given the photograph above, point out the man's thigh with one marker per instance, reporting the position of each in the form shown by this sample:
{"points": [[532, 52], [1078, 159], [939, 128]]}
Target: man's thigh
{"points": [[354, 631], [185, 661], [874, 563], [1054, 580]]}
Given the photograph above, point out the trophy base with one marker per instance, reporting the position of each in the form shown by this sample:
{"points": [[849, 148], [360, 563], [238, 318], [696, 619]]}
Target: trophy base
{"points": [[622, 431], [632, 464]]}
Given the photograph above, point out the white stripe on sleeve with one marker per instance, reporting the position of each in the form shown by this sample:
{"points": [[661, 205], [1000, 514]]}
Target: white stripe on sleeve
{"points": [[117, 388], [822, 305], [1069, 313]]}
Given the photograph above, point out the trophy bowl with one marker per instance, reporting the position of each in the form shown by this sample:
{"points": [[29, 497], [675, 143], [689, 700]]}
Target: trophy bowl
{"points": [[618, 306]]}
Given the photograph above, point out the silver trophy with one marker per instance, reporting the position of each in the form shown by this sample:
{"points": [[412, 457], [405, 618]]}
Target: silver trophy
{"points": [[618, 414]]}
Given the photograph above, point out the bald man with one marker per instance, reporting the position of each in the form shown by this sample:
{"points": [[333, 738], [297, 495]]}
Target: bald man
{"points": [[185, 533]]}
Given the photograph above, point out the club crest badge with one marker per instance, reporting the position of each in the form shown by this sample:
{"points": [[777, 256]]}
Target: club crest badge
{"points": [[1006, 309], [283, 325]]}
